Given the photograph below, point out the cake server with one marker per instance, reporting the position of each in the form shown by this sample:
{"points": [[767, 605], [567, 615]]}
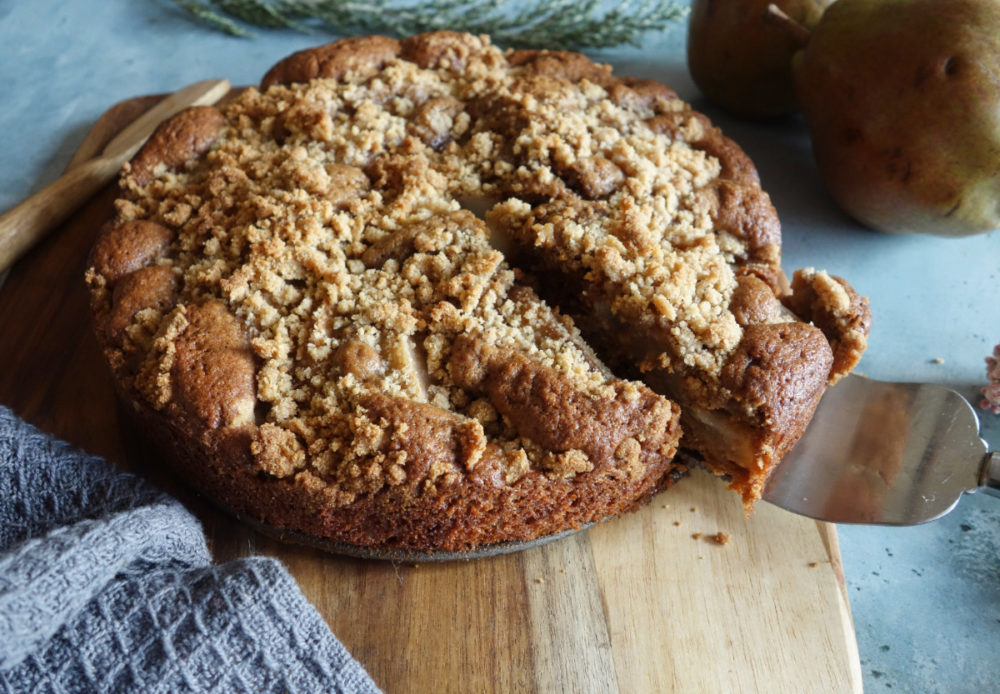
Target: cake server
{"points": [[28, 222], [887, 454]]}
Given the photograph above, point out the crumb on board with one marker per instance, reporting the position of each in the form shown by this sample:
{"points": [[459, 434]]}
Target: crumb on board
{"points": [[718, 538], [539, 580], [693, 509], [677, 523], [813, 564], [937, 360]]}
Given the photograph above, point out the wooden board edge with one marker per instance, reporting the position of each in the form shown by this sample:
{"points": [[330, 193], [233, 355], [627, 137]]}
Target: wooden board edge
{"points": [[119, 116], [828, 534], [108, 124]]}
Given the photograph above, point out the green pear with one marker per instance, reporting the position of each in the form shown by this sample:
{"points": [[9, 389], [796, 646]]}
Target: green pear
{"points": [[741, 60], [902, 102]]}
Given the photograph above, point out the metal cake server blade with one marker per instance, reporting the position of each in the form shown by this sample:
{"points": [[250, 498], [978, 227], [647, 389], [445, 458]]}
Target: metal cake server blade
{"points": [[885, 453]]}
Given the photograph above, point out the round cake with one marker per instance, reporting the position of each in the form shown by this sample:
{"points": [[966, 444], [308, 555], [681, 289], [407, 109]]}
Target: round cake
{"points": [[375, 300]]}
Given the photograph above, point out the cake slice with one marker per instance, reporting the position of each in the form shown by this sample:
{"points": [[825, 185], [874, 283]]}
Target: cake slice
{"points": [[660, 242]]}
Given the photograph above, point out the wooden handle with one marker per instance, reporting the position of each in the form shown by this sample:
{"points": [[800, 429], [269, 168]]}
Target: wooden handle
{"points": [[24, 225]]}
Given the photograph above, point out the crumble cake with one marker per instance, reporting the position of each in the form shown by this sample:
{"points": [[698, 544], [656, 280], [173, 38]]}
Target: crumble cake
{"points": [[346, 302]]}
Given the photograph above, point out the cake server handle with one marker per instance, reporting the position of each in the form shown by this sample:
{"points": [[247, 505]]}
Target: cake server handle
{"points": [[28, 222], [989, 481]]}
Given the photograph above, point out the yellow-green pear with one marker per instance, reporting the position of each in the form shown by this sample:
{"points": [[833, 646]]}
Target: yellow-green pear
{"points": [[902, 102]]}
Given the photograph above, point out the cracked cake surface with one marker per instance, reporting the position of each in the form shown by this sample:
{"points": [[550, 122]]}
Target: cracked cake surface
{"points": [[376, 299]]}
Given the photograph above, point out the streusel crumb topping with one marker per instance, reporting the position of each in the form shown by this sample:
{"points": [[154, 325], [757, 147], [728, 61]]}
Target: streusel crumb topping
{"points": [[330, 217]]}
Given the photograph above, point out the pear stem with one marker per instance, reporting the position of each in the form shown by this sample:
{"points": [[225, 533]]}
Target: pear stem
{"points": [[796, 30]]}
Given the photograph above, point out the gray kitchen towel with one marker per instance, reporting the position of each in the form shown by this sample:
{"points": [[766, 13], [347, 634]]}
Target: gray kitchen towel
{"points": [[107, 585]]}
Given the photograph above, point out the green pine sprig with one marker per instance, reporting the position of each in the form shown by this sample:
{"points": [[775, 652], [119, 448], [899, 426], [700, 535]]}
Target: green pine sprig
{"points": [[566, 24]]}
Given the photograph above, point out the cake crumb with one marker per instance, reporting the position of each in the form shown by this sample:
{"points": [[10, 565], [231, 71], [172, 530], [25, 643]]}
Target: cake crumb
{"points": [[720, 538], [813, 564], [696, 536], [539, 580], [677, 523], [693, 509]]}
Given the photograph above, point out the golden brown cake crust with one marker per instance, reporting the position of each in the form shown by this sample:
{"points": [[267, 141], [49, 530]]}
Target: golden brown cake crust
{"points": [[176, 141], [124, 248], [836, 309], [296, 306], [361, 55]]}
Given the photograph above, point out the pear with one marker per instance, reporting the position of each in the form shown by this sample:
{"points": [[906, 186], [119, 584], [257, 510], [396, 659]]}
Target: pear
{"points": [[902, 102], [742, 61]]}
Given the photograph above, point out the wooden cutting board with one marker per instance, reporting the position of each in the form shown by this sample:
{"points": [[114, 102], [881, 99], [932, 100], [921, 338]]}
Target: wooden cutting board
{"points": [[645, 603]]}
